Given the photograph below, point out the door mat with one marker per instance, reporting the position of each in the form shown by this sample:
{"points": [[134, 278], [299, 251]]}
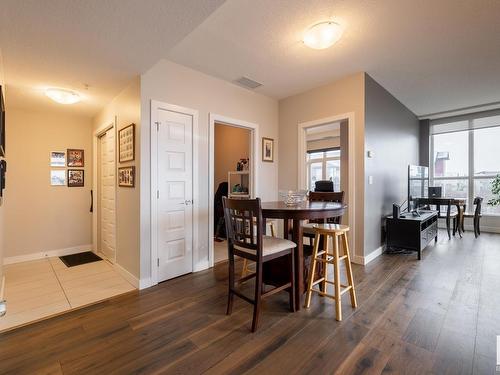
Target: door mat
{"points": [[80, 258]]}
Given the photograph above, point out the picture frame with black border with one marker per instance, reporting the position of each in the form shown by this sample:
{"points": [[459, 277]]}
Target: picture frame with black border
{"points": [[76, 178], [126, 144], [126, 176]]}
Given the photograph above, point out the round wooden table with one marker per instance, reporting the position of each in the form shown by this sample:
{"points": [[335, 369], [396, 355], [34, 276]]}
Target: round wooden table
{"points": [[292, 217]]}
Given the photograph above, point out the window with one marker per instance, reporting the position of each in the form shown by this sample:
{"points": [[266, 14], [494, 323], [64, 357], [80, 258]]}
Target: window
{"points": [[323, 165], [465, 159]]}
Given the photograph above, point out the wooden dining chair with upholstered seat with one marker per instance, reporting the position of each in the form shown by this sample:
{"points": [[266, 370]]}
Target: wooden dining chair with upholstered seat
{"points": [[476, 216], [246, 240]]}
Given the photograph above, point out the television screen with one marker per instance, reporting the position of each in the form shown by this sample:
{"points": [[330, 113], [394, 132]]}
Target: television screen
{"points": [[418, 182]]}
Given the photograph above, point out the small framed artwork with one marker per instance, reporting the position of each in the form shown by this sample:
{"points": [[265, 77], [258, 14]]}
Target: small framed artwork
{"points": [[76, 177], [57, 177], [57, 159], [268, 149], [75, 158], [126, 144], [126, 176]]}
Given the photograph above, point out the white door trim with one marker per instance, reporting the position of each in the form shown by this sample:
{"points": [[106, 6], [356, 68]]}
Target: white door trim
{"points": [[302, 175], [154, 184], [95, 202], [254, 154]]}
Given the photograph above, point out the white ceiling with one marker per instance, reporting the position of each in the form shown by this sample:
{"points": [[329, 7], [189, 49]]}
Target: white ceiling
{"points": [[68, 43], [432, 55]]}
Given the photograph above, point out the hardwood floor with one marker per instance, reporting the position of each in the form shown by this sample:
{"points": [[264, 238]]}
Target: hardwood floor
{"points": [[440, 315]]}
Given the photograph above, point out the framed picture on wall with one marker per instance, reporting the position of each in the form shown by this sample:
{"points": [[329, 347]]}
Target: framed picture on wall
{"points": [[2, 124], [126, 176], [126, 144], [76, 177], [76, 158], [57, 159], [57, 177], [268, 149]]}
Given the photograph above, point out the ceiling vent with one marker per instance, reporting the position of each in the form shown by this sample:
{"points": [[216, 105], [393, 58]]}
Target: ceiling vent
{"points": [[248, 83]]}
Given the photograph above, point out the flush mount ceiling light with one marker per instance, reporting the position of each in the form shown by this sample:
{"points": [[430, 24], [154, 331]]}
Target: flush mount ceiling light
{"points": [[322, 35], [62, 96]]}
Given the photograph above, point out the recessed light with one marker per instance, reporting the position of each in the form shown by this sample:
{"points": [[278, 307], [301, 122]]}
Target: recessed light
{"points": [[63, 96], [322, 35]]}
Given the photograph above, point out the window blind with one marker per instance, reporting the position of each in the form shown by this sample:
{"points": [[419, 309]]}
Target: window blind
{"points": [[465, 122]]}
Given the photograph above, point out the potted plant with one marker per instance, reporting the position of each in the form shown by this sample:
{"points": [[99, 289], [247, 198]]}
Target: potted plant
{"points": [[495, 189]]}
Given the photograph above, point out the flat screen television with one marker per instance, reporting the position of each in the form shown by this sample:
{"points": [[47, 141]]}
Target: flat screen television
{"points": [[418, 183]]}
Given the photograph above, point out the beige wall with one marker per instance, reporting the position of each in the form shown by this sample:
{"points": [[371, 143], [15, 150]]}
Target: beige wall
{"points": [[175, 84], [126, 108], [42, 217], [337, 98], [231, 145]]}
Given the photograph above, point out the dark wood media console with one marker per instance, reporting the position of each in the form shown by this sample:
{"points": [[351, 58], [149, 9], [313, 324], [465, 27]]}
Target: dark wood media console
{"points": [[411, 232]]}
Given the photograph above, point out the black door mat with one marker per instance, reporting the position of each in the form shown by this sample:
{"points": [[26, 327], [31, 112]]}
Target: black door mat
{"points": [[80, 258]]}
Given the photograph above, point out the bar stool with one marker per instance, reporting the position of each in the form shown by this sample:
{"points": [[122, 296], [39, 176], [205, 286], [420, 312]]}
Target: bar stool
{"points": [[246, 266], [333, 231]]}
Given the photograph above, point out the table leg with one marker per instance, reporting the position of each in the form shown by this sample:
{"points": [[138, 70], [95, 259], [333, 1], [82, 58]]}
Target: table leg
{"points": [[286, 230], [299, 262]]}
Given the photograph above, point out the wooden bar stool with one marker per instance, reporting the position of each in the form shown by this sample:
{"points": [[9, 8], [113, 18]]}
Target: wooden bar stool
{"points": [[333, 231], [246, 270]]}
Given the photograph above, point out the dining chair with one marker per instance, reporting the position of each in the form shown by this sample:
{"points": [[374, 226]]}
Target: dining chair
{"points": [[323, 186], [246, 269], [475, 216], [247, 241]]}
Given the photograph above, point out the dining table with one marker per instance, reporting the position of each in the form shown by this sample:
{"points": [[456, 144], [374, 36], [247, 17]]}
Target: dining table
{"points": [[293, 216]]}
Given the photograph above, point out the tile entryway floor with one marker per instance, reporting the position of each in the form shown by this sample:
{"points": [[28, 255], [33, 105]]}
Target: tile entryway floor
{"points": [[41, 288]]}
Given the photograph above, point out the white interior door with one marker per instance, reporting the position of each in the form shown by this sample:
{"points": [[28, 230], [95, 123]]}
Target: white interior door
{"points": [[175, 193], [106, 190]]}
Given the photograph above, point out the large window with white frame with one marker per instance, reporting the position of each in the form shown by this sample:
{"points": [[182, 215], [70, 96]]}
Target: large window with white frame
{"points": [[465, 158], [323, 165]]}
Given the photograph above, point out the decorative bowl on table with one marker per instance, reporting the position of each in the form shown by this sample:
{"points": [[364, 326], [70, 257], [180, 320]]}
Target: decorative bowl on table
{"points": [[293, 197]]}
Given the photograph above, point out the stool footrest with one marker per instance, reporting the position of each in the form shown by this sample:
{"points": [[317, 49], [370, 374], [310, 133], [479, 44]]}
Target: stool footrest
{"points": [[330, 261], [345, 290]]}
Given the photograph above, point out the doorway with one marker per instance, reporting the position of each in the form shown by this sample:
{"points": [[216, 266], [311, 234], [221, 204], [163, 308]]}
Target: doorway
{"points": [[171, 190], [105, 190], [106, 195], [232, 172], [232, 176], [344, 159]]}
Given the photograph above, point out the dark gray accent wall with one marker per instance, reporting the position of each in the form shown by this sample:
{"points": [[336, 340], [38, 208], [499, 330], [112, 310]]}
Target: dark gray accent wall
{"points": [[425, 127], [392, 135]]}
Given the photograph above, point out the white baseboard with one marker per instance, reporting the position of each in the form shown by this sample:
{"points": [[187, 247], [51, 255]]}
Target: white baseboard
{"points": [[364, 260], [201, 266], [145, 283], [47, 254], [126, 275]]}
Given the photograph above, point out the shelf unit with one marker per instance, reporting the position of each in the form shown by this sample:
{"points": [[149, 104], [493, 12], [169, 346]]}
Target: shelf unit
{"points": [[242, 178]]}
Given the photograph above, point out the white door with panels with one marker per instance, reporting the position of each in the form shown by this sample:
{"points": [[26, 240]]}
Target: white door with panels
{"points": [[106, 190], [174, 195]]}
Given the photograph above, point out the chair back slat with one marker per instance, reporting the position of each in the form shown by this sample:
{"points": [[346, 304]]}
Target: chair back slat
{"points": [[244, 223], [338, 197]]}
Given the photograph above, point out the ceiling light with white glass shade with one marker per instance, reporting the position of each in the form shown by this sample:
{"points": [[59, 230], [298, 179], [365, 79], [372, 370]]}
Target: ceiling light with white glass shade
{"points": [[322, 35], [63, 96]]}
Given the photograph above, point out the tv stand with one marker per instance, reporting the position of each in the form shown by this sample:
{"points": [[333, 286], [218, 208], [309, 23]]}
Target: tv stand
{"points": [[411, 232]]}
